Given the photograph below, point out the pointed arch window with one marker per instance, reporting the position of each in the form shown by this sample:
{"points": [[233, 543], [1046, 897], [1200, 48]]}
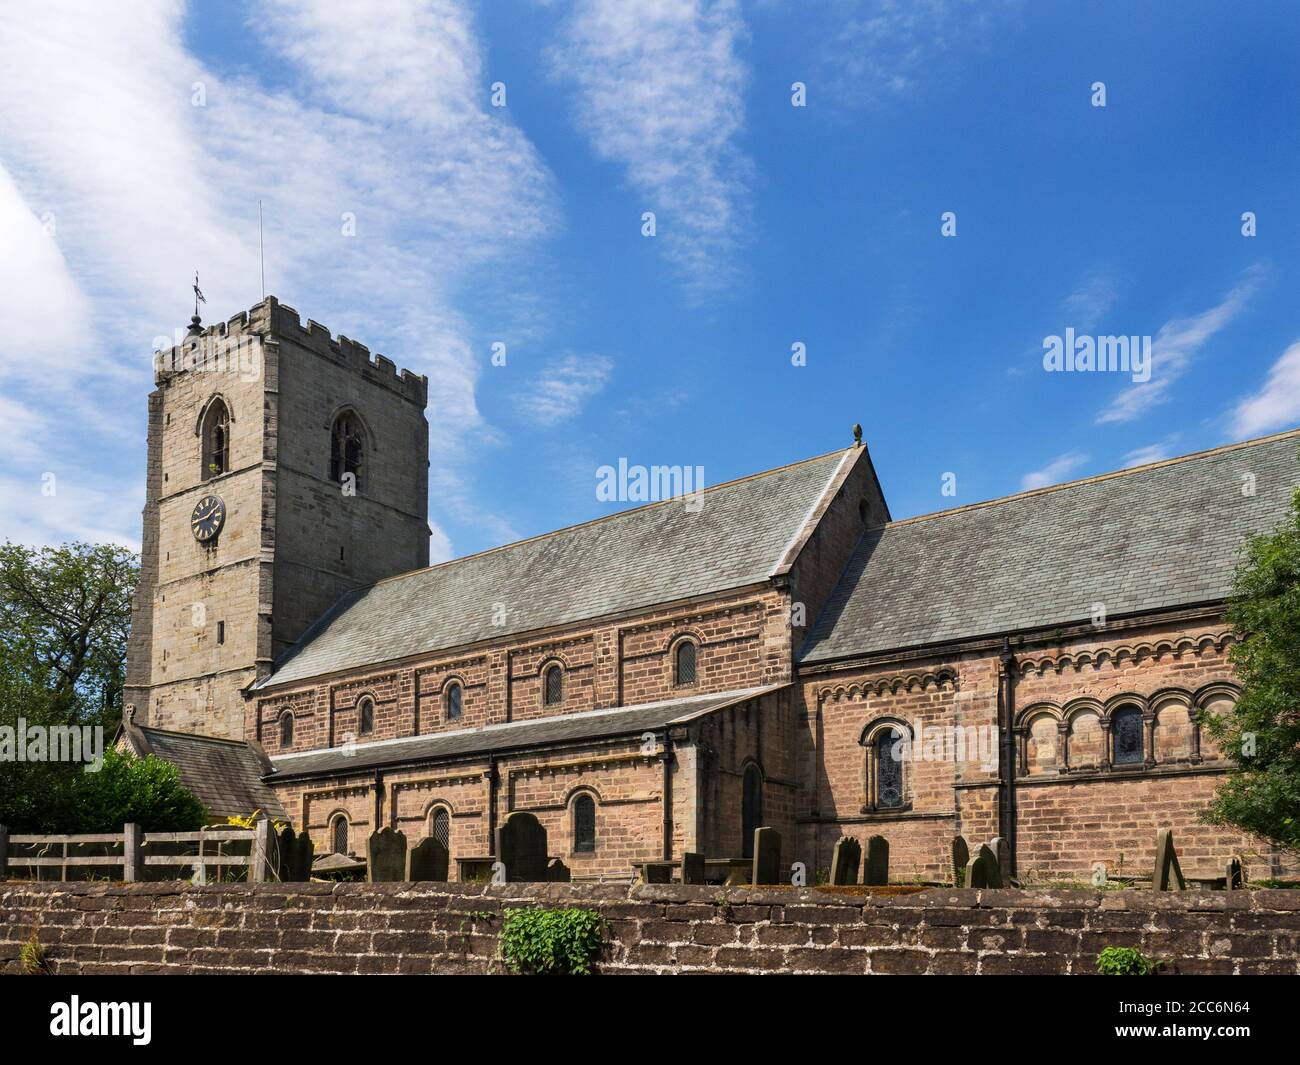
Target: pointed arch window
{"points": [[216, 440], [553, 686], [455, 694], [347, 449], [339, 835], [584, 824], [366, 715], [684, 665], [286, 729], [751, 808]]}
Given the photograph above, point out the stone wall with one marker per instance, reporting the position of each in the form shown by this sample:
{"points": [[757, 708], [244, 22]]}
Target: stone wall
{"points": [[435, 928]]}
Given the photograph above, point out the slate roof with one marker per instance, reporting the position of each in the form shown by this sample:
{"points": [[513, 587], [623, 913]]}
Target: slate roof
{"points": [[514, 735], [1153, 537], [630, 560], [225, 774]]}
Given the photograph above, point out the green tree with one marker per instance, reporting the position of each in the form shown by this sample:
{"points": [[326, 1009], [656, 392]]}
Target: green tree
{"points": [[64, 617], [1262, 732], [146, 791]]}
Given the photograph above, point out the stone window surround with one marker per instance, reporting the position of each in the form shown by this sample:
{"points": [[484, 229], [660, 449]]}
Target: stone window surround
{"points": [[870, 784]]}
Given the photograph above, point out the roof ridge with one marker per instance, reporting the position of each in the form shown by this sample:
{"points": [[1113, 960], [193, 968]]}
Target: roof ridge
{"points": [[596, 521], [1094, 479], [193, 735]]}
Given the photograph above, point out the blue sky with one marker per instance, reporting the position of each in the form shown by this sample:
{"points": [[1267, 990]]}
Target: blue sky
{"points": [[775, 225]]}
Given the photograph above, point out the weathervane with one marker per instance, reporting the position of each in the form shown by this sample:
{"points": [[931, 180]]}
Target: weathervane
{"points": [[196, 323]]}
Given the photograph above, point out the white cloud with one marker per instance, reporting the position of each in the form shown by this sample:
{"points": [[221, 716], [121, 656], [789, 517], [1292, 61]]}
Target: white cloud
{"points": [[1092, 298], [1156, 452], [379, 112], [1059, 469], [1172, 351], [660, 93], [1277, 404], [565, 385]]}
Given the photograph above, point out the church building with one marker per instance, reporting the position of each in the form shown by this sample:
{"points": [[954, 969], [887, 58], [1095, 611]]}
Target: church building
{"points": [[777, 650]]}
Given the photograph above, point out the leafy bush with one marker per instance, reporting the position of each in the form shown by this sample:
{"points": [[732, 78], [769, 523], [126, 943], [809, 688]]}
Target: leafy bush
{"points": [[145, 791], [552, 942], [1125, 961]]}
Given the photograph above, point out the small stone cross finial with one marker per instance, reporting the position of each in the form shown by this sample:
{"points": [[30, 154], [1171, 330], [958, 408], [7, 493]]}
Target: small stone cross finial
{"points": [[857, 435], [130, 713]]}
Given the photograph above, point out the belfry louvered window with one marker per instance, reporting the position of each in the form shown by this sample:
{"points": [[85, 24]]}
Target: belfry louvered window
{"points": [[347, 449], [553, 686], [339, 835], [216, 440], [584, 824], [684, 667]]}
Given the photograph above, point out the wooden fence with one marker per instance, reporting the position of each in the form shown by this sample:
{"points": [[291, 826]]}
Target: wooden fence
{"points": [[136, 851]]}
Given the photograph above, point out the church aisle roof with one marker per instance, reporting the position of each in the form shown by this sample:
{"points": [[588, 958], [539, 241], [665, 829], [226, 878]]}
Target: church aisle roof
{"points": [[1154, 537], [629, 560], [513, 735]]}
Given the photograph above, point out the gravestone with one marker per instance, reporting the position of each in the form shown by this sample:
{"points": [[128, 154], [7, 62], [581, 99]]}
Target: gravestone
{"points": [[845, 860], [1234, 879], [960, 859], [557, 872], [385, 856], [1168, 875], [876, 869], [982, 870], [657, 872], [1001, 848], [521, 847], [428, 860], [293, 856], [767, 856], [692, 868]]}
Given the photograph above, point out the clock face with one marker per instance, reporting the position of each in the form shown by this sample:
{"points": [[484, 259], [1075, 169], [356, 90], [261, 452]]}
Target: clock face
{"points": [[208, 517]]}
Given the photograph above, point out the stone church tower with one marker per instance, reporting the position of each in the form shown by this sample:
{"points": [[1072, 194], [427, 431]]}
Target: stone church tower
{"points": [[285, 468]]}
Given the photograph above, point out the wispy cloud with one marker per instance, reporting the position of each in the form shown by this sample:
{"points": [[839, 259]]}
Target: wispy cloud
{"points": [[1156, 452], [659, 93], [1059, 469], [565, 385], [1172, 351], [1277, 404], [1092, 298], [379, 116]]}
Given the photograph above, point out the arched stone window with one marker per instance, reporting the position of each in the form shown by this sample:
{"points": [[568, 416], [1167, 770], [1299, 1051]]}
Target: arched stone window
{"points": [[751, 808], [339, 834], [584, 824], [1126, 732], [366, 715], [440, 826], [887, 745], [347, 448], [286, 729], [684, 664], [455, 694], [553, 686], [215, 433]]}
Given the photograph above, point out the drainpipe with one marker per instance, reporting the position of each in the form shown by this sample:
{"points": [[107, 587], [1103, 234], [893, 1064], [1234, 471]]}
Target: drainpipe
{"points": [[1007, 752], [492, 806], [668, 795]]}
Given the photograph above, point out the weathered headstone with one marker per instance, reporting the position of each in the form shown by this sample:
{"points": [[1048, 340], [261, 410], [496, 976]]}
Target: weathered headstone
{"points": [[557, 872], [1234, 879], [845, 860], [876, 869], [1001, 848], [293, 856], [428, 860], [960, 859], [1168, 875], [521, 846], [692, 868], [982, 870], [657, 872], [385, 856], [767, 856]]}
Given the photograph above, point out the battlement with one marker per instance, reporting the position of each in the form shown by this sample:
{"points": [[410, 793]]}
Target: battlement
{"points": [[235, 338]]}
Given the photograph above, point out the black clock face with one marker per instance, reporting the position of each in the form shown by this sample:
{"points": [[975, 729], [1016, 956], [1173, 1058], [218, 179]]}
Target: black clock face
{"points": [[208, 517]]}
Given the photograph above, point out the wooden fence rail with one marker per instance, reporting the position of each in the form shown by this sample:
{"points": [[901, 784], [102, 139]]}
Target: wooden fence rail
{"points": [[133, 859]]}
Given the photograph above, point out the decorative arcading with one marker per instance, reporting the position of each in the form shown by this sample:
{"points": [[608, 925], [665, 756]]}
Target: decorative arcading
{"points": [[939, 680], [1124, 654]]}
